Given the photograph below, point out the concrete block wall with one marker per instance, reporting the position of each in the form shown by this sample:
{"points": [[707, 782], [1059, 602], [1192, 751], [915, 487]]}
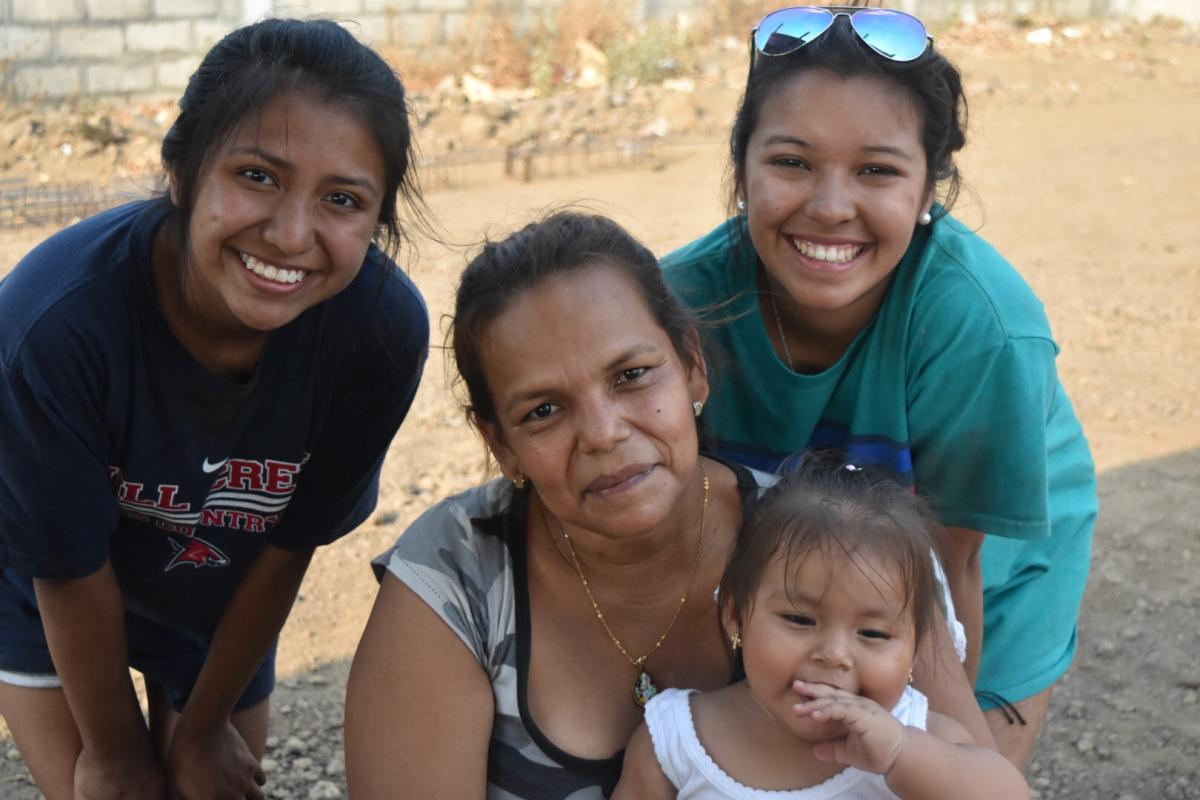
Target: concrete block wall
{"points": [[66, 48], [406, 23], [90, 48], [55, 49]]}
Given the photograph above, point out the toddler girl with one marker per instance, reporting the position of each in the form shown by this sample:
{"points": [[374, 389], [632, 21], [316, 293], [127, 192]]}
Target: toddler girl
{"points": [[828, 594]]}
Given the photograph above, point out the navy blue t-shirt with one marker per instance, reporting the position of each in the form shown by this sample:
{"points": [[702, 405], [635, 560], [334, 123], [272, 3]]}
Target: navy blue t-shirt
{"points": [[115, 443]]}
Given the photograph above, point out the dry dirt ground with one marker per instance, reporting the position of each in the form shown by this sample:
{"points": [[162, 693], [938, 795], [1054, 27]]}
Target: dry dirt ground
{"points": [[1079, 168]]}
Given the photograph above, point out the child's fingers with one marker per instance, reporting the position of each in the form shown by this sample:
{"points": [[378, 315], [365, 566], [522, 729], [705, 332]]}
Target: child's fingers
{"points": [[832, 701], [852, 715], [840, 711], [859, 720], [816, 690], [809, 706], [858, 714]]}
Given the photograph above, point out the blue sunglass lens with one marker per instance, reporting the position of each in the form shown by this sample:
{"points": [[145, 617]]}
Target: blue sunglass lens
{"points": [[784, 31], [890, 33]]}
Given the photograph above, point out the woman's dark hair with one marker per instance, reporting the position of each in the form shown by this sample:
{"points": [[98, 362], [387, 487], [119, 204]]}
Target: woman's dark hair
{"points": [[825, 506], [932, 82], [251, 66], [561, 243]]}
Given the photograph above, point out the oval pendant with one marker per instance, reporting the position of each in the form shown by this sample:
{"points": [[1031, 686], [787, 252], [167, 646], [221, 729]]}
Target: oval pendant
{"points": [[643, 689]]}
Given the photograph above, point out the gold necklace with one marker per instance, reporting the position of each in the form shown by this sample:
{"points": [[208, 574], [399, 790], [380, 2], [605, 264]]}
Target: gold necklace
{"points": [[787, 353], [643, 686]]}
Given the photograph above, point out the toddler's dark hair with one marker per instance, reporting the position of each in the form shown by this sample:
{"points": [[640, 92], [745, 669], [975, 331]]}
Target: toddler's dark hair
{"points": [[825, 506]]}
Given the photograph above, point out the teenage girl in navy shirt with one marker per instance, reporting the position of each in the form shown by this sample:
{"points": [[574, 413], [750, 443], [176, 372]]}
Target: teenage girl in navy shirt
{"points": [[195, 392]]}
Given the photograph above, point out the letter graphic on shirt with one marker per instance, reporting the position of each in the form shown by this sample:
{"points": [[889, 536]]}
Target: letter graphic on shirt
{"points": [[133, 504], [281, 477], [245, 495], [131, 493], [166, 499], [250, 495], [245, 476]]}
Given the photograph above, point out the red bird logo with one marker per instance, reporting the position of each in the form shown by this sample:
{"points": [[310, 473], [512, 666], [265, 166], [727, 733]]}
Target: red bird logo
{"points": [[195, 552]]}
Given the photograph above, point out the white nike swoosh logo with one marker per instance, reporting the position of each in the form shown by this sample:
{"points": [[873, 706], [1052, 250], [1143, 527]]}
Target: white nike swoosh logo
{"points": [[207, 467]]}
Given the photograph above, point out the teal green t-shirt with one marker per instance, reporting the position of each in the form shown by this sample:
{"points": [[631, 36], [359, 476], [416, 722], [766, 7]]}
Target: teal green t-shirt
{"points": [[952, 385]]}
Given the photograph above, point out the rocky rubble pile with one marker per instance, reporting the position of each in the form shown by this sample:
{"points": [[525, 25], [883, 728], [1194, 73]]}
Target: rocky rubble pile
{"points": [[119, 144], [116, 142], [304, 753]]}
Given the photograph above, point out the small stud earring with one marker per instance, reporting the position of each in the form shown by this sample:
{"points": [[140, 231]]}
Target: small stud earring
{"points": [[926, 218], [518, 481], [697, 407], [741, 204], [735, 641]]}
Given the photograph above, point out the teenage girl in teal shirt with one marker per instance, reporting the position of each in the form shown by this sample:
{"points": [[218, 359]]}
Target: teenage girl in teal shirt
{"points": [[855, 313]]}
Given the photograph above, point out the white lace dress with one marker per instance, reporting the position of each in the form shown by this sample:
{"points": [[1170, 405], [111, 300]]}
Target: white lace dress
{"points": [[696, 776]]}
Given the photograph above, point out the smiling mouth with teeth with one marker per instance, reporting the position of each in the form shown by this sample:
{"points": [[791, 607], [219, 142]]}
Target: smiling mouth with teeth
{"points": [[832, 253], [272, 273]]}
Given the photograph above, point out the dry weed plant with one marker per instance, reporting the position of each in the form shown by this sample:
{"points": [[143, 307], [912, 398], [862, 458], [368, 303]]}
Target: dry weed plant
{"points": [[516, 48], [492, 43]]}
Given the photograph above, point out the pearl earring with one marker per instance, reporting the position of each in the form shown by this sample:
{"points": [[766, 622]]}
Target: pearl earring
{"points": [[697, 407], [926, 218], [741, 204]]}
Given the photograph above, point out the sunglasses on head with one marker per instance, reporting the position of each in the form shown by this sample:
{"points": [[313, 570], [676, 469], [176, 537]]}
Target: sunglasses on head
{"points": [[892, 34]]}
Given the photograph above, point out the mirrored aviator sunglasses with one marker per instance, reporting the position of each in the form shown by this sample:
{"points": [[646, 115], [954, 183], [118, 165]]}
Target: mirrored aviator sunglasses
{"points": [[892, 34]]}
